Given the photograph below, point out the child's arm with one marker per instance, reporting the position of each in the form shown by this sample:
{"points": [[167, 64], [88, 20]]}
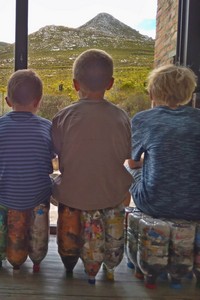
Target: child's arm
{"points": [[127, 200]]}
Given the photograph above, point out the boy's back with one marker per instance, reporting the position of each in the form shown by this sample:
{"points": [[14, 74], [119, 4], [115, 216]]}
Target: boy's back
{"points": [[95, 137], [25, 160], [170, 177]]}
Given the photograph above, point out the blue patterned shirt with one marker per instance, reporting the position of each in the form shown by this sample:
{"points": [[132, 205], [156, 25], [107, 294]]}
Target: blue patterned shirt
{"points": [[169, 185]]}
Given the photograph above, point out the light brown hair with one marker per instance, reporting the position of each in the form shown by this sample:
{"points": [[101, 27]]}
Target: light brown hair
{"points": [[171, 85], [24, 86], [93, 69]]}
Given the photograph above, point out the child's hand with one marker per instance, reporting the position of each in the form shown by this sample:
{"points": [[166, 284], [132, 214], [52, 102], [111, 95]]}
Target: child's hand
{"points": [[55, 163], [53, 201], [135, 164]]}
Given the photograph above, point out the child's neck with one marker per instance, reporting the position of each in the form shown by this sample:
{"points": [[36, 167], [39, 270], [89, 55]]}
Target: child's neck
{"points": [[24, 108], [91, 95], [154, 104]]}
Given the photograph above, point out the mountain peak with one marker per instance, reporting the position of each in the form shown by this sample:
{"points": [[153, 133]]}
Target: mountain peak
{"points": [[110, 26]]}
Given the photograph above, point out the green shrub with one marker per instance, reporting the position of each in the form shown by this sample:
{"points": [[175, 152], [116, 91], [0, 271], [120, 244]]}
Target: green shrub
{"points": [[52, 104], [135, 103]]}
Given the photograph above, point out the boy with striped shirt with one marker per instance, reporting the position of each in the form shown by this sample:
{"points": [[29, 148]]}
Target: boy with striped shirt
{"points": [[25, 145]]}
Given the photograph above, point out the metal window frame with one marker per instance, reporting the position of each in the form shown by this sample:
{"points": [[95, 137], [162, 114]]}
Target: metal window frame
{"points": [[21, 35]]}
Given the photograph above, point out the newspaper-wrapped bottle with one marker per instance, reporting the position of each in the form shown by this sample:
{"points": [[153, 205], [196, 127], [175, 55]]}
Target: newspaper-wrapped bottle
{"points": [[3, 233], [39, 235], [197, 254], [128, 210], [68, 236], [114, 239], [92, 252], [132, 240], [153, 244], [181, 250], [17, 237]]}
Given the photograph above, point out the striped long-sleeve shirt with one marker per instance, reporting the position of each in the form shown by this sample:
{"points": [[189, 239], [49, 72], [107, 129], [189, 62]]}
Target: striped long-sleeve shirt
{"points": [[25, 160]]}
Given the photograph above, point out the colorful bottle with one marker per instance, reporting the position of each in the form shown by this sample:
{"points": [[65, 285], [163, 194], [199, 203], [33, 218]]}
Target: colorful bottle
{"points": [[17, 237], [3, 233], [68, 236], [114, 238], [181, 251], [132, 240], [92, 252], [39, 235], [197, 254], [128, 210], [153, 245]]}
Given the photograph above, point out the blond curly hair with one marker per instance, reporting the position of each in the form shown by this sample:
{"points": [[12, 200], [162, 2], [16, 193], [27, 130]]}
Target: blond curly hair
{"points": [[171, 85]]}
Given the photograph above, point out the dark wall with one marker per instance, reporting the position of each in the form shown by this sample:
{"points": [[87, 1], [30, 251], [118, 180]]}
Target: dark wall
{"points": [[193, 44], [188, 39]]}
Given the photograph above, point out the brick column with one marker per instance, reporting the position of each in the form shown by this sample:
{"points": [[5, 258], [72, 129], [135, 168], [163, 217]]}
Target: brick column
{"points": [[166, 31]]}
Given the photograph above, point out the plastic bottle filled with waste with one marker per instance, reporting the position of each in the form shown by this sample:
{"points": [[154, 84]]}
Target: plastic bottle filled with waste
{"points": [[39, 235], [3, 233], [153, 245], [132, 240], [114, 239], [197, 254], [17, 237], [128, 210], [181, 250], [92, 252], [68, 236]]}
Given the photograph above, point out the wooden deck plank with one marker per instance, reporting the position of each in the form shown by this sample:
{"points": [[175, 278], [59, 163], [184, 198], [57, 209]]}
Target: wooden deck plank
{"points": [[51, 283]]}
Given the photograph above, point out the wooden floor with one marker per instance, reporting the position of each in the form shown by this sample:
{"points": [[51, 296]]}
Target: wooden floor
{"points": [[51, 283]]}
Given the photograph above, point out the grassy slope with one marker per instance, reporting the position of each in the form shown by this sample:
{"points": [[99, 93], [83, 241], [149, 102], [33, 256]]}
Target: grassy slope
{"points": [[132, 63]]}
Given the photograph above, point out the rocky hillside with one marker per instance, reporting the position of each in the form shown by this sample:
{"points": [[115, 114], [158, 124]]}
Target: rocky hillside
{"points": [[3, 46], [57, 46], [102, 31]]}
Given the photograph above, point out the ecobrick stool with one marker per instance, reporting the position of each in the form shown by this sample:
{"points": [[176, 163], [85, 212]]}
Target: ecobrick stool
{"points": [[166, 248]]}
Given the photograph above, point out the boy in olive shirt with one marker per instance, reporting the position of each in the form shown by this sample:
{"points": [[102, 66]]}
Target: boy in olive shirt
{"points": [[92, 139]]}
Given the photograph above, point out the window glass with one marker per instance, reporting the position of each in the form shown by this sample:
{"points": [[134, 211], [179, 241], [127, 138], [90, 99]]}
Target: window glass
{"points": [[52, 60], [7, 21]]}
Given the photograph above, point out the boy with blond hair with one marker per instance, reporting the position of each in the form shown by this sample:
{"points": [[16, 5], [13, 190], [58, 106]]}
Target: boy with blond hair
{"points": [[166, 180], [92, 139]]}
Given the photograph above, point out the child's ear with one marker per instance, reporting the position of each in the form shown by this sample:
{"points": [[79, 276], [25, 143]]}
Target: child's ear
{"points": [[110, 83], [8, 102], [150, 95], [153, 104], [151, 99], [76, 85], [36, 102]]}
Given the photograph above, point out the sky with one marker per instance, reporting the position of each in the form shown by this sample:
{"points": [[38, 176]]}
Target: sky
{"points": [[138, 14]]}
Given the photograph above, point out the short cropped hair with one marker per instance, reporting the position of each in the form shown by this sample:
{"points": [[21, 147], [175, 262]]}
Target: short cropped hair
{"points": [[93, 69], [171, 84], [24, 86]]}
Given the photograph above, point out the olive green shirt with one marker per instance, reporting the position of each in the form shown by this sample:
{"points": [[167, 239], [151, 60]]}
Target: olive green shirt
{"points": [[92, 139]]}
